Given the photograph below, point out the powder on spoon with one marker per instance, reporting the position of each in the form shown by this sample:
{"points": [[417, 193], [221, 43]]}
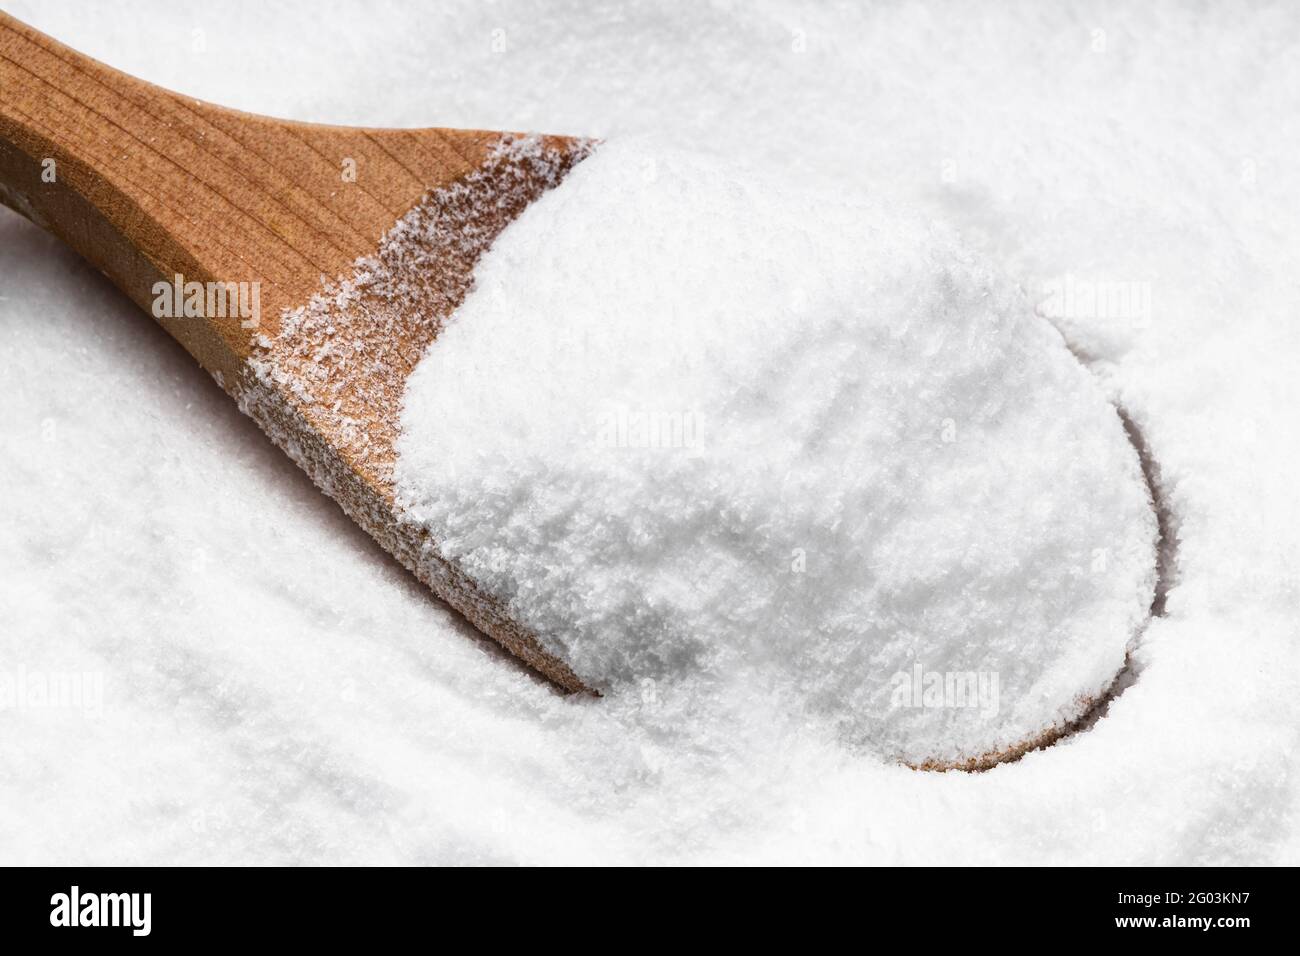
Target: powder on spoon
{"points": [[713, 433]]}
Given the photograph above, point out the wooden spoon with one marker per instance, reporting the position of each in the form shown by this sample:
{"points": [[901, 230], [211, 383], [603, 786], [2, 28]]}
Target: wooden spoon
{"points": [[149, 186]]}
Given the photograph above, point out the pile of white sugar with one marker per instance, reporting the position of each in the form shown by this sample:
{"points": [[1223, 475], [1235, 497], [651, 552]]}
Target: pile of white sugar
{"points": [[695, 429]]}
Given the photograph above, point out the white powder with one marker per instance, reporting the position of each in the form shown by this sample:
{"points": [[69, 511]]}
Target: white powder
{"points": [[694, 428], [277, 691]]}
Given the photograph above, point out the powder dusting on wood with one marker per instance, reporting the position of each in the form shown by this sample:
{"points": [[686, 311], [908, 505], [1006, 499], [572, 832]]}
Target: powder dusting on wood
{"points": [[328, 386]]}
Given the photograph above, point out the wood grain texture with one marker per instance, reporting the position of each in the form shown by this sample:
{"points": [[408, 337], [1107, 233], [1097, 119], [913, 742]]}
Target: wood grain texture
{"points": [[148, 184]]}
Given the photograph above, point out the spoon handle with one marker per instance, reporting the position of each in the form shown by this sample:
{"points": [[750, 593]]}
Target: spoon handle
{"points": [[149, 185]]}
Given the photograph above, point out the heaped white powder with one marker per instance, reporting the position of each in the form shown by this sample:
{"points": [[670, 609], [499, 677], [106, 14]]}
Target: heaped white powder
{"points": [[693, 427]]}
